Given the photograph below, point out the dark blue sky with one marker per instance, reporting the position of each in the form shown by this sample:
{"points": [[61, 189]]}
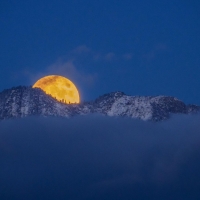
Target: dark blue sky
{"points": [[139, 47]]}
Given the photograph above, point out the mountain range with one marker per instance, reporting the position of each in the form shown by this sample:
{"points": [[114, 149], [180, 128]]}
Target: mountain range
{"points": [[25, 101]]}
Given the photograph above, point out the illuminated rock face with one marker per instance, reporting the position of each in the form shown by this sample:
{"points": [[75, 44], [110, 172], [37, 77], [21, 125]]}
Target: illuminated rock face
{"points": [[26, 101]]}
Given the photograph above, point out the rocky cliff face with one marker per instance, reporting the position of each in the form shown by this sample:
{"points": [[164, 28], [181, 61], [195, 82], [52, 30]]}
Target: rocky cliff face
{"points": [[26, 101]]}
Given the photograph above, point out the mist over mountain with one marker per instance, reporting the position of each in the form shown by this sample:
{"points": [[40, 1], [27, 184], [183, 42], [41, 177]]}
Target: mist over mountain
{"points": [[94, 154], [27, 101], [100, 158]]}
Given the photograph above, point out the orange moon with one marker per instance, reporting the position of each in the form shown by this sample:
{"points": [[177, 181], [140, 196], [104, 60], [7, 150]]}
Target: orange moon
{"points": [[59, 87]]}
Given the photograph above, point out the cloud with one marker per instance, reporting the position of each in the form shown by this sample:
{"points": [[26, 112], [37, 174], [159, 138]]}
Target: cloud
{"points": [[88, 53], [81, 49], [95, 157], [154, 52], [64, 68], [68, 66], [68, 69], [110, 56], [128, 56], [73, 62]]}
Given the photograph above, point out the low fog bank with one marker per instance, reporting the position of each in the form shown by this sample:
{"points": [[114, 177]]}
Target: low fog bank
{"points": [[100, 158]]}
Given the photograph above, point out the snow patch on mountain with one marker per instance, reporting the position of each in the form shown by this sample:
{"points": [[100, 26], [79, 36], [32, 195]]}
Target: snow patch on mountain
{"points": [[135, 107], [26, 101]]}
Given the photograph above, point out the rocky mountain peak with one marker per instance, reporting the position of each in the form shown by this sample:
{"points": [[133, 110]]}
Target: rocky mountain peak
{"points": [[24, 101]]}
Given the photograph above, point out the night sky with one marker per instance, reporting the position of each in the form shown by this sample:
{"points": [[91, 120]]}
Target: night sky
{"points": [[138, 47]]}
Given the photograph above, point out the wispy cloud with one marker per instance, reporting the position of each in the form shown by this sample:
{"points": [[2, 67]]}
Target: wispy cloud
{"points": [[128, 56], [73, 62], [110, 56], [154, 52], [82, 49], [69, 69]]}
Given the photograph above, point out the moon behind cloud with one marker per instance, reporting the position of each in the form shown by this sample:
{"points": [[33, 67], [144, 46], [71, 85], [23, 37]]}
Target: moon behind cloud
{"points": [[59, 87]]}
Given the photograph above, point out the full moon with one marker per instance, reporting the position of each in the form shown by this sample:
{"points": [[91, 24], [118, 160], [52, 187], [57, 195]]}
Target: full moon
{"points": [[59, 87]]}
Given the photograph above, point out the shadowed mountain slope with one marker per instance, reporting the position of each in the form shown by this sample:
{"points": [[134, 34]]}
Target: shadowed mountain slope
{"points": [[27, 101]]}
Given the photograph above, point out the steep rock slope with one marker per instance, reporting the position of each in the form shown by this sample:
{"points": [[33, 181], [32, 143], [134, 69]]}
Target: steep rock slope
{"points": [[26, 101]]}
